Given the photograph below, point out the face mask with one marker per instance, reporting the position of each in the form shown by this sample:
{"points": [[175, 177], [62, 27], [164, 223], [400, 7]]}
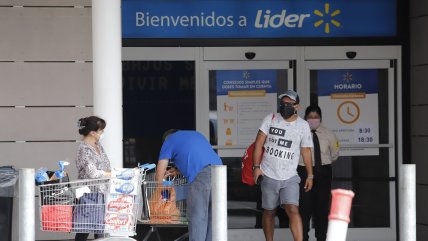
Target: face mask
{"points": [[100, 136], [286, 111], [314, 123]]}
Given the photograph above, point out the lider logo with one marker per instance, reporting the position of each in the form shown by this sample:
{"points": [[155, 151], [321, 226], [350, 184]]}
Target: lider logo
{"points": [[327, 18], [268, 19]]}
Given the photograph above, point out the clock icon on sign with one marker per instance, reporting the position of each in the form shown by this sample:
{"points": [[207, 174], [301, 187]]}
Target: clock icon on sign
{"points": [[348, 112]]}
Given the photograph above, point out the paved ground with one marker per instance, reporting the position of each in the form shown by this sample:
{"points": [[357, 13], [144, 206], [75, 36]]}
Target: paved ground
{"points": [[165, 233]]}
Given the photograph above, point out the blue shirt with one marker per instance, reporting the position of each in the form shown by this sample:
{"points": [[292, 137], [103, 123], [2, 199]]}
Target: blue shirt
{"points": [[190, 151]]}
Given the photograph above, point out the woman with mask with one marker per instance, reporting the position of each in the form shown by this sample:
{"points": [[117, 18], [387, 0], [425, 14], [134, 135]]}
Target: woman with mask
{"points": [[316, 203], [92, 161]]}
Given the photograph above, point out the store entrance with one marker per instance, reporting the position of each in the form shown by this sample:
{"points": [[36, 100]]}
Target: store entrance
{"points": [[357, 98], [157, 95], [215, 90], [239, 93]]}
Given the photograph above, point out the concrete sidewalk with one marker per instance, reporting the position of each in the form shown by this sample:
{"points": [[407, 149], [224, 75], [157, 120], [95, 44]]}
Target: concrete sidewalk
{"points": [[166, 234]]}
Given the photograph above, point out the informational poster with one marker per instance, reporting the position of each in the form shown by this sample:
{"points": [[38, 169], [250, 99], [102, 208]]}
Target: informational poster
{"points": [[349, 102], [244, 98]]}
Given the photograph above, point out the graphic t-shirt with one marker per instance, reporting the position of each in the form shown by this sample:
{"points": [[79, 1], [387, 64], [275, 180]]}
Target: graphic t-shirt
{"points": [[282, 146]]}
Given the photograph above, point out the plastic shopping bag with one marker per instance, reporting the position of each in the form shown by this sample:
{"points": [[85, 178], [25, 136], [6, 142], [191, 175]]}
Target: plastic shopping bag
{"points": [[163, 208], [89, 213], [57, 218]]}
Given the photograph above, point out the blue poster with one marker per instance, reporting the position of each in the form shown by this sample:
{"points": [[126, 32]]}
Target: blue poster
{"points": [[258, 19], [347, 81], [228, 80]]}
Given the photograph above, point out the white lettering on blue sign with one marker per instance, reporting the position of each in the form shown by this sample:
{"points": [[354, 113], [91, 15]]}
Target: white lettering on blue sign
{"points": [[347, 86], [231, 19], [266, 20], [212, 20]]}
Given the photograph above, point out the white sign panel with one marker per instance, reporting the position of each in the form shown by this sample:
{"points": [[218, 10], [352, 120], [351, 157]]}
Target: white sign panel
{"points": [[349, 102], [244, 98]]}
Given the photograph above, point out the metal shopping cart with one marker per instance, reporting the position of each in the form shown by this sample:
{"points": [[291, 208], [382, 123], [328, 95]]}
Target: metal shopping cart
{"points": [[108, 206], [164, 205]]}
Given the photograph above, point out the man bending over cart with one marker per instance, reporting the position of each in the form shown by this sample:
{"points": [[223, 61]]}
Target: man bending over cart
{"points": [[193, 155]]}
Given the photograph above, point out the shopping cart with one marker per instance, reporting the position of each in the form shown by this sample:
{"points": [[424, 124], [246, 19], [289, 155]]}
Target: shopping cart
{"points": [[107, 206], [164, 205]]}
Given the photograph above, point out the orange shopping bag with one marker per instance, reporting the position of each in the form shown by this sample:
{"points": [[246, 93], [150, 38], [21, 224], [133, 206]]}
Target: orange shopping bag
{"points": [[163, 208]]}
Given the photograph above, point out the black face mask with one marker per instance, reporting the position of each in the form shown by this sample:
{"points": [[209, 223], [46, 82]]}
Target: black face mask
{"points": [[286, 111]]}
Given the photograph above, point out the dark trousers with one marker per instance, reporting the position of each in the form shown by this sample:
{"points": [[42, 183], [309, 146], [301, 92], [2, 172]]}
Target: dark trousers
{"points": [[84, 236], [315, 203]]}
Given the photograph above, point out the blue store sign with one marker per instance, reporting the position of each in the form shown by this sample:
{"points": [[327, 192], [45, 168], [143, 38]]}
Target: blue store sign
{"points": [[258, 19]]}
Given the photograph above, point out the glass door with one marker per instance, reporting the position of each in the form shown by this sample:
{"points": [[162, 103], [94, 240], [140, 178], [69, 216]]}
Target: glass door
{"points": [[238, 95], [158, 94], [357, 100], [158, 87]]}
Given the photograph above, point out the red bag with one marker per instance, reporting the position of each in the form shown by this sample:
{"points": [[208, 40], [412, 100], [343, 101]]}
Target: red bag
{"points": [[57, 218], [247, 166]]}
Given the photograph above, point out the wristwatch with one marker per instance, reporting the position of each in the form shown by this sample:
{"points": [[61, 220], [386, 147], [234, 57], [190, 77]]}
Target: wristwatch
{"points": [[310, 176], [256, 166]]}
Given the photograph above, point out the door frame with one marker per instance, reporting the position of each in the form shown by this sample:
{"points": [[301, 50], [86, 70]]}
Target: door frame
{"points": [[206, 57], [368, 57]]}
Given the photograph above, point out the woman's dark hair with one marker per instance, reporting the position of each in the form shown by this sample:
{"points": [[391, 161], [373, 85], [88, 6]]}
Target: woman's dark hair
{"points": [[91, 123], [313, 108]]}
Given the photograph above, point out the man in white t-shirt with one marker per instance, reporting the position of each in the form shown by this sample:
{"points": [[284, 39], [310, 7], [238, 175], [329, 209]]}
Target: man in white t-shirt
{"points": [[285, 136]]}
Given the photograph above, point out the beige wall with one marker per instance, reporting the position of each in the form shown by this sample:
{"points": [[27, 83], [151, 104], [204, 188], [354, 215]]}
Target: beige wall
{"points": [[45, 85], [419, 108]]}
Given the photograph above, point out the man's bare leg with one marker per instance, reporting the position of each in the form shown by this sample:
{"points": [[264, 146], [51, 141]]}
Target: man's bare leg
{"points": [[295, 221], [268, 222]]}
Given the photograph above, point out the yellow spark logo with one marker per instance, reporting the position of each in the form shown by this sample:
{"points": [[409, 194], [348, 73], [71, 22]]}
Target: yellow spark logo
{"points": [[327, 13]]}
